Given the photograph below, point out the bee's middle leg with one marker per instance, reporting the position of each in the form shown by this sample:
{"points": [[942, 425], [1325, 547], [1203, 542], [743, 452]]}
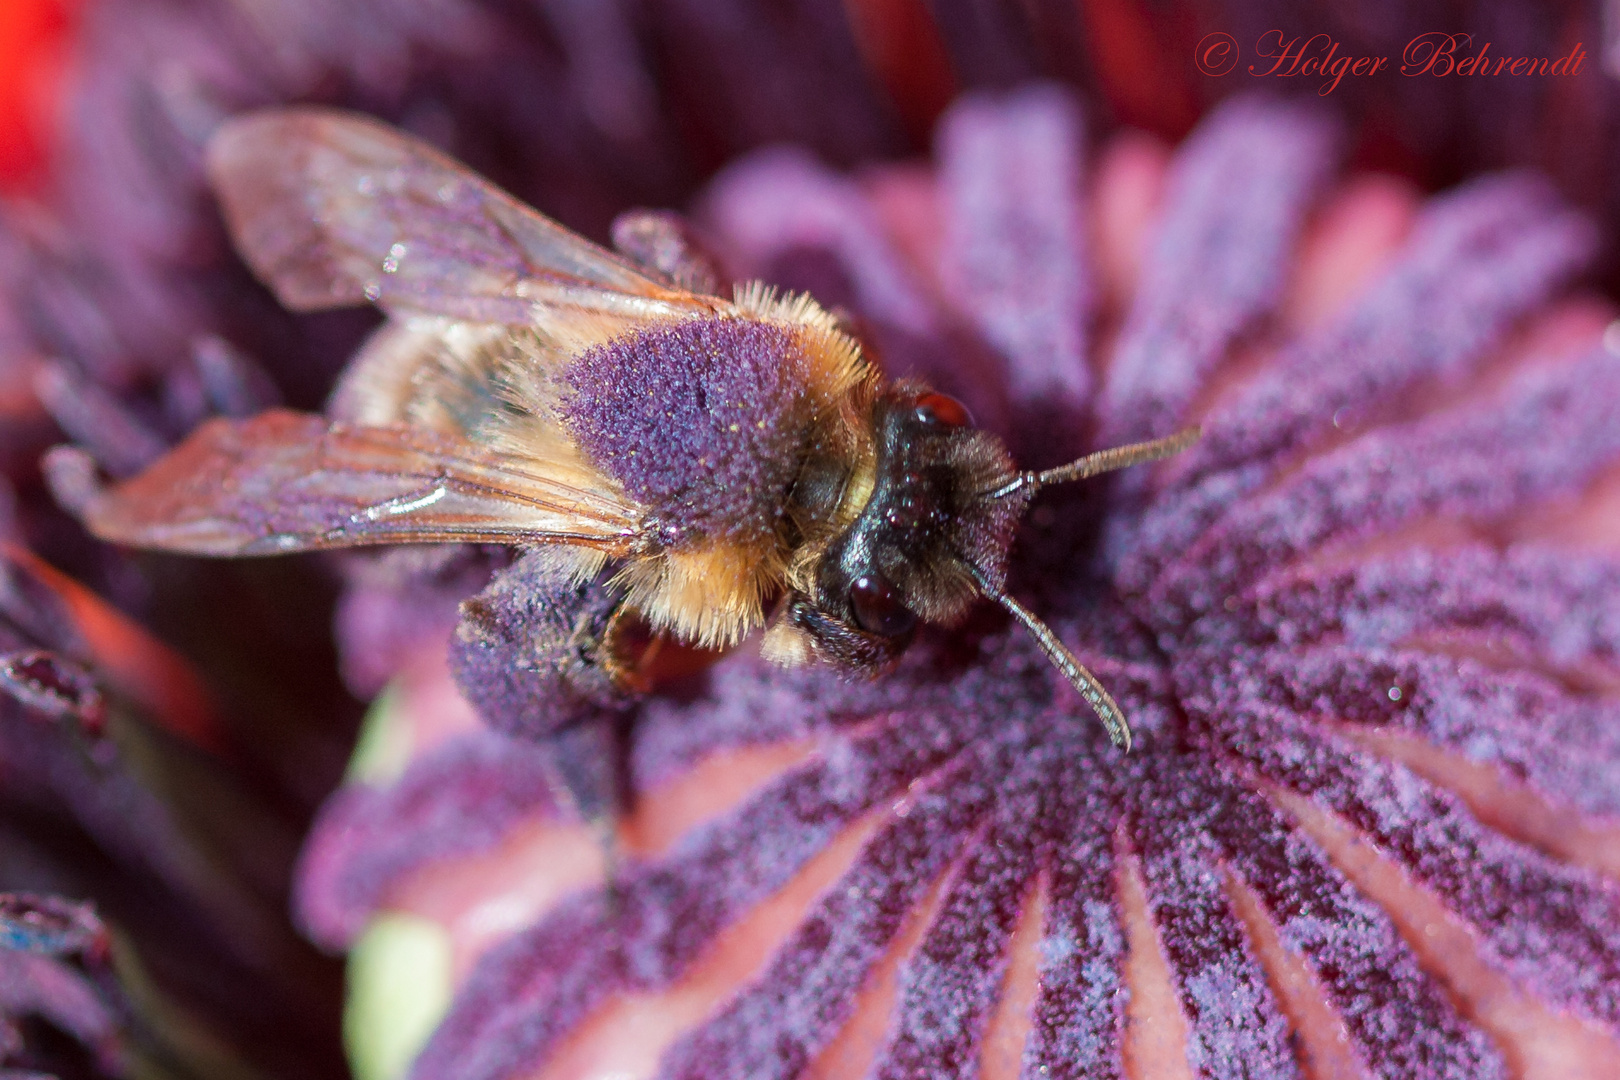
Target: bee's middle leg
{"points": [[534, 655]]}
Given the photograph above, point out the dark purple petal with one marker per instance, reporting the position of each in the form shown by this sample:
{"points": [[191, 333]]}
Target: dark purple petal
{"points": [[1557, 606], [463, 797], [1010, 174], [1079, 1009], [1477, 260], [1238, 195], [1566, 746], [529, 991], [772, 1029], [1554, 431], [1235, 1025], [1402, 1022], [1553, 927], [951, 981]]}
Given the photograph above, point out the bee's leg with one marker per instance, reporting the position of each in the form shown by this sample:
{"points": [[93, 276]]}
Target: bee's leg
{"points": [[527, 652], [588, 770], [662, 241], [531, 655]]}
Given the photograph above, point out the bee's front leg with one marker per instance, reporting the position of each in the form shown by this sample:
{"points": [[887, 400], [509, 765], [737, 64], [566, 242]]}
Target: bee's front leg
{"points": [[533, 654]]}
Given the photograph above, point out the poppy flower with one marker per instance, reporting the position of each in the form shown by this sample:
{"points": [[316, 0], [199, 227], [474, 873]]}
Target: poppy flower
{"points": [[1363, 631]]}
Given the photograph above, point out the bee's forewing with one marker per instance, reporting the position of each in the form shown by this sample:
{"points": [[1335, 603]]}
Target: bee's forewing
{"points": [[333, 209], [286, 481]]}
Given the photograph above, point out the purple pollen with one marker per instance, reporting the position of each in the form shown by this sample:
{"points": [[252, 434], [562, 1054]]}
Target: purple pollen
{"points": [[702, 420], [1227, 602]]}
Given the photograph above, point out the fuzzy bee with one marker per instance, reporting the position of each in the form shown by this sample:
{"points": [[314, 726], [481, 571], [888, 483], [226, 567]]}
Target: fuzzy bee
{"points": [[699, 465]]}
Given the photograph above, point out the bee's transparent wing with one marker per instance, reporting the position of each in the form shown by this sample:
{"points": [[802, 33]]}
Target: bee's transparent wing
{"points": [[333, 209], [286, 481]]}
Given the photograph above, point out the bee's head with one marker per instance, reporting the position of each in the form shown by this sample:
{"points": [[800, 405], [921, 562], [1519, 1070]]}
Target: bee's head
{"points": [[931, 529], [931, 537]]}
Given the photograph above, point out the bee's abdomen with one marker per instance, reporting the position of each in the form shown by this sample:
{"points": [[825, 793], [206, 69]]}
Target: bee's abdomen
{"points": [[704, 421]]}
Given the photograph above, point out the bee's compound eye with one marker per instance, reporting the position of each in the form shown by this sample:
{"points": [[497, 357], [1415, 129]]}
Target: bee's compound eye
{"points": [[943, 410], [877, 607]]}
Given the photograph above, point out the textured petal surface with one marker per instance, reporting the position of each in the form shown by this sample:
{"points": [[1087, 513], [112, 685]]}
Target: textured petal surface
{"points": [[1348, 560]]}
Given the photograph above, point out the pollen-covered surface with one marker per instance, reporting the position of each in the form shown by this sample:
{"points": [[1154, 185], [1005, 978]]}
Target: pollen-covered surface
{"points": [[524, 651], [703, 420], [1237, 604], [461, 797]]}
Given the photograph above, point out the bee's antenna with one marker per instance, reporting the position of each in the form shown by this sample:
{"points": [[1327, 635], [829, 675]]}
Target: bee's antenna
{"points": [[1102, 461], [1107, 710]]}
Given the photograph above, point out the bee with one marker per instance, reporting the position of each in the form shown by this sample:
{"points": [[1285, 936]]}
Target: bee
{"points": [[702, 465]]}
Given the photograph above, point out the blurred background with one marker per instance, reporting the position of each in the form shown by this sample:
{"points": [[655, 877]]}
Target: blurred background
{"points": [[125, 318], [692, 82]]}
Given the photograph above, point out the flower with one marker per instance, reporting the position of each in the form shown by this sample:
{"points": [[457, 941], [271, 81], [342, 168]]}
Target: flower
{"points": [[1364, 632], [1212, 876]]}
